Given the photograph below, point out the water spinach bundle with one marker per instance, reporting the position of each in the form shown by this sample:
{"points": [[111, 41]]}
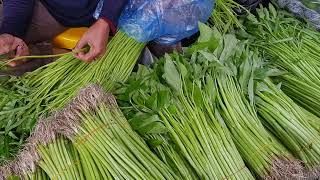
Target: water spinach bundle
{"points": [[51, 87], [97, 128], [292, 46]]}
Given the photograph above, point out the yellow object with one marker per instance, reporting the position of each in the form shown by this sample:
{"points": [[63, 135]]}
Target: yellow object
{"points": [[69, 38]]}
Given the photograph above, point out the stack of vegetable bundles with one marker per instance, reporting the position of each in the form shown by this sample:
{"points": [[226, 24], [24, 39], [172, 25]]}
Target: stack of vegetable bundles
{"points": [[292, 46], [51, 87], [189, 116], [102, 145], [216, 76], [219, 110]]}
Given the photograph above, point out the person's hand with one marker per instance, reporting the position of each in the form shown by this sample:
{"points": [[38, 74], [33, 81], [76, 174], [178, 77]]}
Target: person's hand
{"points": [[97, 38], [9, 43]]}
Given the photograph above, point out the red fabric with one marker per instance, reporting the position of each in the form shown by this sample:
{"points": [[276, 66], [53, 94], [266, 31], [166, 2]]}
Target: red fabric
{"points": [[113, 28]]}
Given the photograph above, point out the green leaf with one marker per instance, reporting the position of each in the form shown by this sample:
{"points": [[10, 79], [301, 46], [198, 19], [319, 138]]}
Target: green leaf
{"points": [[143, 71], [260, 74], [217, 34], [279, 85], [155, 128], [245, 72], [210, 88], [230, 46], [171, 74], [252, 18], [209, 39], [197, 95], [13, 136], [183, 70], [262, 87], [210, 44], [136, 98], [208, 56], [260, 12], [147, 124], [163, 99], [275, 72], [154, 142], [172, 109], [152, 101], [206, 33], [272, 10], [266, 12]]}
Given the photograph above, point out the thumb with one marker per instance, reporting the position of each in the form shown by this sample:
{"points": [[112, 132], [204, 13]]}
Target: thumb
{"points": [[77, 50], [81, 44], [22, 50]]}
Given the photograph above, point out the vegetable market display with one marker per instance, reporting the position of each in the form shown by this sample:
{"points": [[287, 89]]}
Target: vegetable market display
{"points": [[188, 114], [51, 87], [279, 114], [236, 105], [248, 132], [103, 144], [100, 127], [291, 128], [231, 66], [294, 47]]}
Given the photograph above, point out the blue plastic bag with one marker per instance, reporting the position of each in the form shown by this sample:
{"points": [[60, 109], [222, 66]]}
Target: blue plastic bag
{"points": [[164, 21]]}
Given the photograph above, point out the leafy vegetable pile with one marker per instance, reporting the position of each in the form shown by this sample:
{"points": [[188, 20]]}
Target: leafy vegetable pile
{"points": [[51, 87], [216, 80], [222, 109], [189, 116], [292, 46], [102, 145], [12, 131]]}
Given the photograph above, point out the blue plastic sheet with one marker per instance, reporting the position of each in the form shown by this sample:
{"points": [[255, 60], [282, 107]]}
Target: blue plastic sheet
{"points": [[164, 21]]}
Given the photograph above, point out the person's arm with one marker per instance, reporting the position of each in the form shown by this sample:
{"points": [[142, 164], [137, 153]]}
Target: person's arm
{"points": [[111, 12], [17, 15], [98, 34]]}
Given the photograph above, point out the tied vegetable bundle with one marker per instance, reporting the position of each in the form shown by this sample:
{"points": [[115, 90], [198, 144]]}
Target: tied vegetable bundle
{"points": [[149, 125], [51, 87], [261, 151], [291, 46], [7, 173], [289, 123], [189, 115], [279, 114], [98, 129], [54, 85], [46, 155], [171, 155], [183, 94], [313, 120], [103, 145]]}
